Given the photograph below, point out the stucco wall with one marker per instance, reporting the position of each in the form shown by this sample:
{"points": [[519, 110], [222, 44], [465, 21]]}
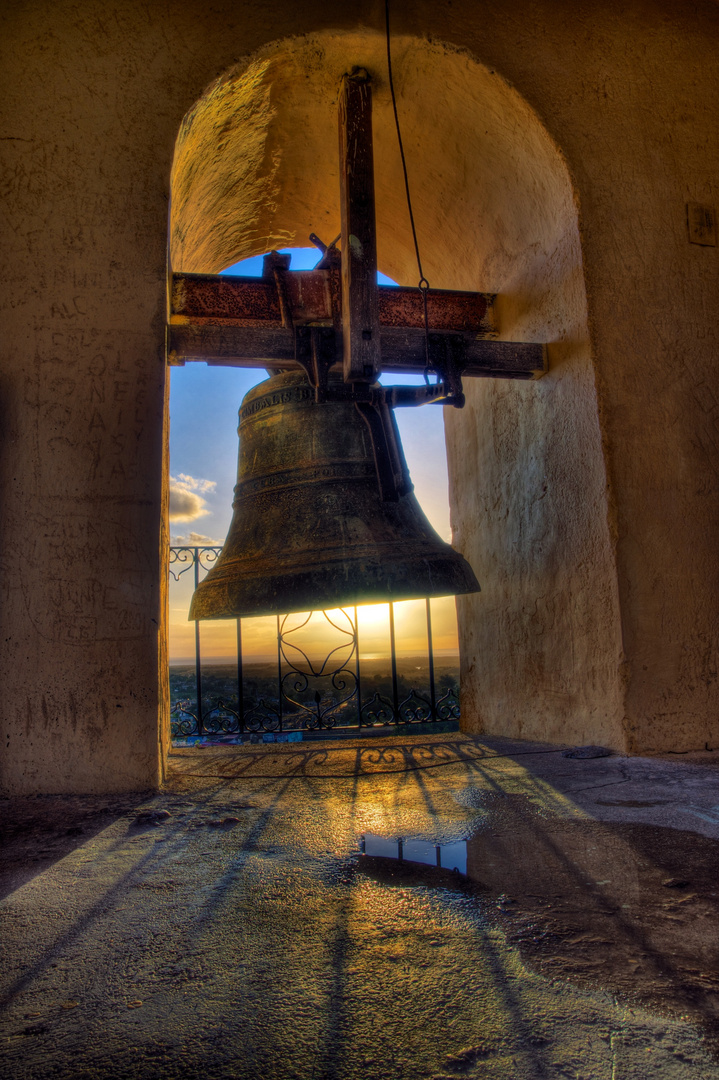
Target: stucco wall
{"points": [[93, 99]]}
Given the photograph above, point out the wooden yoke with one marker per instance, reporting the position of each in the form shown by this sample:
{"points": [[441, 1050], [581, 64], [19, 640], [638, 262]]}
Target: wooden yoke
{"points": [[360, 303]]}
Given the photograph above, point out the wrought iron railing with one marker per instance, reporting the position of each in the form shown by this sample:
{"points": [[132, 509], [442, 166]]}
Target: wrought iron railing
{"points": [[307, 695]]}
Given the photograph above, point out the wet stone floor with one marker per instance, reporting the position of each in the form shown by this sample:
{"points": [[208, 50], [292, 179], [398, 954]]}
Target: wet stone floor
{"points": [[437, 907]]}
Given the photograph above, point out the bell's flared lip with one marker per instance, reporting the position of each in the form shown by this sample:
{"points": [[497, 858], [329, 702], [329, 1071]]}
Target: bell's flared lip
{"points": [[284, 594]]}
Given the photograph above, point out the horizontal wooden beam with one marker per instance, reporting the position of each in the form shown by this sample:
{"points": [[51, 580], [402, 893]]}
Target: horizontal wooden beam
{"points": [[244, 301], [403, 350], [234, 346]]}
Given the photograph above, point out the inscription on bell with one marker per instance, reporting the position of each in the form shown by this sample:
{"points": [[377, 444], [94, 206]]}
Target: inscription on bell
{"points": [[284, 397]]}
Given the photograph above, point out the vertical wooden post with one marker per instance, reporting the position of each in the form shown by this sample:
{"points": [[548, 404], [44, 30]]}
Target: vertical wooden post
{"points": [[360, 298]]}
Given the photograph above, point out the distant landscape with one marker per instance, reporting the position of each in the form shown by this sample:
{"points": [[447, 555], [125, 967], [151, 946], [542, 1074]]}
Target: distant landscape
{"points": [[260, 685]]}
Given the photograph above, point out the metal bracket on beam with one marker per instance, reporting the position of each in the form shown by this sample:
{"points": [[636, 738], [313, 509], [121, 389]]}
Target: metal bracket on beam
{"points": [[316, 352], [447, 356], [392, 472]]}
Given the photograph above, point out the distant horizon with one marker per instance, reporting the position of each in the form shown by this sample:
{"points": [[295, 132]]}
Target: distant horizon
{"points": [[268, 658]]}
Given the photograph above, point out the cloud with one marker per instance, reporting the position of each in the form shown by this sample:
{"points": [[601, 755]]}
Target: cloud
{"points": [[194, 539], [186, 505], [185, 502], [193, 483]]}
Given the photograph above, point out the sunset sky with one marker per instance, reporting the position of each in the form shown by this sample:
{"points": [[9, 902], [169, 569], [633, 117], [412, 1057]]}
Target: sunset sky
{"points": [[204, 403]]}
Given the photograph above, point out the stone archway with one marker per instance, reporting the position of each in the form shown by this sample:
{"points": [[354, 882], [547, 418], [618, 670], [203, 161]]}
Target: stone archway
{"points": [[256, 167]]}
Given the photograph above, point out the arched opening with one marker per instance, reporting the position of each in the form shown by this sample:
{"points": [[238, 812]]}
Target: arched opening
{"points": [[256, 168]]}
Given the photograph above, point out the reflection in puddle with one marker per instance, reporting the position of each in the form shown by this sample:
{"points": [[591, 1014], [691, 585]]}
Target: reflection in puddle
{"points": [[630, 908], [446, 856]]}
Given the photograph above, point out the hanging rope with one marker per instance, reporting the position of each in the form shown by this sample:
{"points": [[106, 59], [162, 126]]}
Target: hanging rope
{"points": [[423, 284]]}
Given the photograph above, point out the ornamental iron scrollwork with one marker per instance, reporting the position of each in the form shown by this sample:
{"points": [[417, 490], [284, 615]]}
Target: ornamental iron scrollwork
{"points": [[377, 711], [414, 709], [319, 694], [263, 717], [183, 721], [221, 719], [206, 556], [447, 707], [188, 557]]}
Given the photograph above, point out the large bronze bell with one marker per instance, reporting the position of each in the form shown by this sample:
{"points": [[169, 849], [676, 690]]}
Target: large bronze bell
{"points": [[324, 514]]}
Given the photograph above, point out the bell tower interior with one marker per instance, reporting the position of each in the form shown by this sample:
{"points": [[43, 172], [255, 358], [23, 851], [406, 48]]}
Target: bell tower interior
{"points": [[256, 167], [183, 892], [559, 155]]}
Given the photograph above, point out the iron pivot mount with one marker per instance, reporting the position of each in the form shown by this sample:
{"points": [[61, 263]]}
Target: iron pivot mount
{"points": [[318, 352]]}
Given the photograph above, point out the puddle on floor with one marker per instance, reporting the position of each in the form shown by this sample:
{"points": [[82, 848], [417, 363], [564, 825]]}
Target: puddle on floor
{"points": [[632, 909], [444, 856]]}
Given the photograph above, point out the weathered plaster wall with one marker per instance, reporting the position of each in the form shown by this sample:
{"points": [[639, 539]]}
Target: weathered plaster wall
{"points": [[541, 648], [93, 98], [82, 385]]}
